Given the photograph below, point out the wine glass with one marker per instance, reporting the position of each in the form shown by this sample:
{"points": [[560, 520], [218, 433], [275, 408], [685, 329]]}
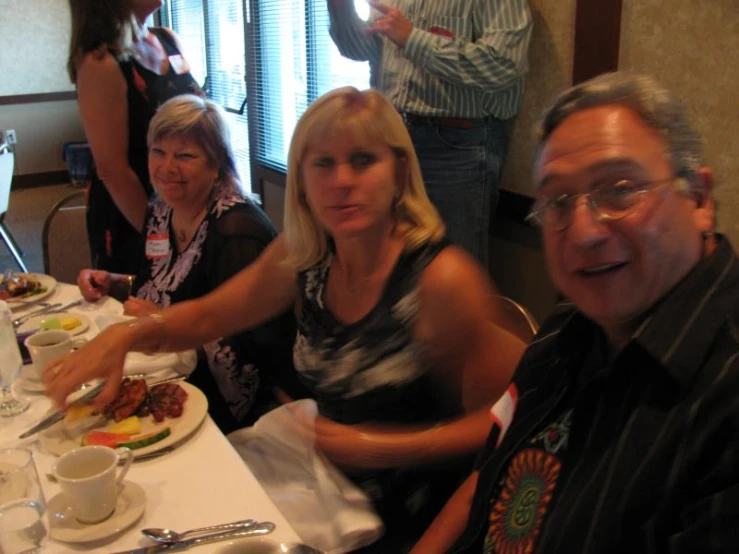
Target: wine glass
{"points": [[22, 504], [11, 364]]}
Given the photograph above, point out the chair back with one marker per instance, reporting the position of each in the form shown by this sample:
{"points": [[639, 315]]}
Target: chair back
{"points": [[64, 239], [7, 161], [516, 318]]}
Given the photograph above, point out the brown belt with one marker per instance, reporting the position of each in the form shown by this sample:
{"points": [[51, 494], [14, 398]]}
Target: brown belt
{"points": [[415, 119]]}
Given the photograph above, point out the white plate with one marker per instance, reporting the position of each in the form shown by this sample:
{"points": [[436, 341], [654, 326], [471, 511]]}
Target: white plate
{"points": [[64, 527], [250, 545], [34, 323], [29, 381], [62, 437], [45, 280]]}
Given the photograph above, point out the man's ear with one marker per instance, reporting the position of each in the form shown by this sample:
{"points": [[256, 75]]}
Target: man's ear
{"points": [[702, 191]]}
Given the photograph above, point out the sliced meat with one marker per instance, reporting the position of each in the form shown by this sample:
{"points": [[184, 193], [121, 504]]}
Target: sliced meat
{"points": [[131, 396], [167, 400]]}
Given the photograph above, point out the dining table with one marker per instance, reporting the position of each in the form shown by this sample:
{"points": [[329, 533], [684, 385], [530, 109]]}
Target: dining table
{"points": [[201, 482]]}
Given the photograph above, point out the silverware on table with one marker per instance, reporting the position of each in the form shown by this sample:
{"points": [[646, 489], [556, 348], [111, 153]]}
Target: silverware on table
{"points": [[48, 310], [59, 414], [262, 528], [25, 317], [168, 535]]}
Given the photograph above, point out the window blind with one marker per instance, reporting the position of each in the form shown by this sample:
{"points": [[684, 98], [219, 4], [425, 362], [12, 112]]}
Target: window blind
{"points": [[294, 61]]}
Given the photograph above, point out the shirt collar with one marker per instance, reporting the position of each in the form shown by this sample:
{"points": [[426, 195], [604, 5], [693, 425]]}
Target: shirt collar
{"points": [[681, 327]]}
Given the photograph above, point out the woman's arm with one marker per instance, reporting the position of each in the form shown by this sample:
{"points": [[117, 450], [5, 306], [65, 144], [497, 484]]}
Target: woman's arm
{"points": [[256, 294], [475, 360], [101, 94]]}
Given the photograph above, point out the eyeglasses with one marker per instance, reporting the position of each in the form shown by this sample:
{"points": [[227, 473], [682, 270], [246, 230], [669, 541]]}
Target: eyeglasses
{"points": [[608, 201]]}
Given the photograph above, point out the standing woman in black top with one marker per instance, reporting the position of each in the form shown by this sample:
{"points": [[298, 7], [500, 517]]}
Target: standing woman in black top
{"points": [[123, 72]]}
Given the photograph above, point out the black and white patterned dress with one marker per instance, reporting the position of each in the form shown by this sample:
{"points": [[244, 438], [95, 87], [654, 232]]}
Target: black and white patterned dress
{"points": [[234, 232], [375, 370]]}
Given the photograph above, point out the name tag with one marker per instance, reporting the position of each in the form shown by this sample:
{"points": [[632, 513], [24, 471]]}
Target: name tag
{"points": [[179, 64], [503, 411], [157, 246]]}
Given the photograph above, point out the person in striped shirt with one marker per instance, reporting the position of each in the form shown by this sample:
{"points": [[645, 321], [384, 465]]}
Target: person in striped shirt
{"points": [[620, 429], [454, 69]]}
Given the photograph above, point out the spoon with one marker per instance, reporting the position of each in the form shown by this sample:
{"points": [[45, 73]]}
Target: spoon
{"points": [[167, 535]]}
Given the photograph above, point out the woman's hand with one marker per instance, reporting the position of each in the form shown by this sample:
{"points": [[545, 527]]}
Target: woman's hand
{"points": [[139, 307], [101, 357], [94, 284]]}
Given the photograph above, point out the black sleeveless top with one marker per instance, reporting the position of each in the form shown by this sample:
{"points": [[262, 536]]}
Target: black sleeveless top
{"points": [[114, 244], [375, 370]]}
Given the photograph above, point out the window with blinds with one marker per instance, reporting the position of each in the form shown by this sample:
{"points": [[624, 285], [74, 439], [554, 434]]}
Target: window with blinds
{"points": [[291, 61], [294, 61]]}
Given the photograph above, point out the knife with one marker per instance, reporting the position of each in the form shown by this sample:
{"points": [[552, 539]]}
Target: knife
{"points": [[262, 528], [59, 414]]}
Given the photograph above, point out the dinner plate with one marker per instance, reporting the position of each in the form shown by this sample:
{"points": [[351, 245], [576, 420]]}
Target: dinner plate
{"points": [[44, 280], [37, 322], [63, 437], [64, 527]]}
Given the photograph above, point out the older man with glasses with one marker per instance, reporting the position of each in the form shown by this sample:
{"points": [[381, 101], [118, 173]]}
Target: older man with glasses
{"points": [[620, 430]]}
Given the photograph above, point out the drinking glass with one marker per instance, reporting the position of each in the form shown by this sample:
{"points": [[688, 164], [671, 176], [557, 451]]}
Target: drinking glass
{"points": [[11, 364], [22, 504]]}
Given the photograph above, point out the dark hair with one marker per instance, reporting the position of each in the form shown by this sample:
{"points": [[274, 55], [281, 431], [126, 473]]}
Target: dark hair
{"points": [[97, 24], [656, 105]]}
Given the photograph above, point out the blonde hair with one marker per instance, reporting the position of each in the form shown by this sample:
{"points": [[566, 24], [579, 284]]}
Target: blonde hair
{"points": [[202, 121], [366, 116]]}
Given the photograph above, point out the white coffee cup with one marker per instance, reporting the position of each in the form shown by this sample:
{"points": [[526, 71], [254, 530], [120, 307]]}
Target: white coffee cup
{"points": [[46, 346], [90, 481]]}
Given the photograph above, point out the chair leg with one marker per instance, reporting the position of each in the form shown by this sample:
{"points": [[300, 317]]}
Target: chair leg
{"points": [[13, 247]]}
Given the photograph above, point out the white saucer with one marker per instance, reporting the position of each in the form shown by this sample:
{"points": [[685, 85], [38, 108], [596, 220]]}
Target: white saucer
{"points": [[36, 323], [28, 381], [65, 528]]}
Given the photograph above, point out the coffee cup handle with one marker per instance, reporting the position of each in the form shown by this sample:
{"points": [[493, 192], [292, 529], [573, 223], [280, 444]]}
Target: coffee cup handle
{"points": [[128, 453], [78, 342]]}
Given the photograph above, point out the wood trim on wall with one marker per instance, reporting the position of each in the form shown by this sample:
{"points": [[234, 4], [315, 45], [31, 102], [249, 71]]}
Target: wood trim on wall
{"points": [[30, 180], [597, 38], [36, 98]]}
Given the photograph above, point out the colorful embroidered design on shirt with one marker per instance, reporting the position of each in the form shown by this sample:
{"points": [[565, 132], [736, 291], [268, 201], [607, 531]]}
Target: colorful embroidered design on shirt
{"points": [[519, 509]]}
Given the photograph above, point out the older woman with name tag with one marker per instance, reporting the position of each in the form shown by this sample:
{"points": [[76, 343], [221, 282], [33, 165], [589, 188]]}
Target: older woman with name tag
{"points": [[201, 230]]}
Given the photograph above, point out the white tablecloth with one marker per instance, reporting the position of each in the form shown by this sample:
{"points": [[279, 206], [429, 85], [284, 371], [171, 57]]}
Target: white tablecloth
{"points": [[203, 482]]}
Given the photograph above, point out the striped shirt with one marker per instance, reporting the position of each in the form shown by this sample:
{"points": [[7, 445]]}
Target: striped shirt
{"points": [[464, 58], [652, 459]]}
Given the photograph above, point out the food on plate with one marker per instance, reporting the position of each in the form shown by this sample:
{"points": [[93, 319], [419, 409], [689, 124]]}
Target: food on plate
{"points": [[67, 323], [166, 400], [115, 440], [76, 412], [135, 397], [131, 396], [129, 426], [20, 285]]}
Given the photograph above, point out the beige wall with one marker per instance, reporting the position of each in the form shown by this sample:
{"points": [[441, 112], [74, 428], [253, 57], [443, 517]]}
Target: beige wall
{"points": [[693, 48], [35, 41], [550, 60], [42, 129]]}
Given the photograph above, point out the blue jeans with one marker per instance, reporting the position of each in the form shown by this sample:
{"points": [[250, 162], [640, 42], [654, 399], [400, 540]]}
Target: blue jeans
{"points": [[461, 169]]}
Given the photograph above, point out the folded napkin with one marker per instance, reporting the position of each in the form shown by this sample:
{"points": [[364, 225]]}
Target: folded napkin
{"points": [[327, 510]]}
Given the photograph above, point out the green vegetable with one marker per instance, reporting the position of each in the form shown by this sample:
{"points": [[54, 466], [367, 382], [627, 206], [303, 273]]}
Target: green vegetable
{"points": [[146, 440]]}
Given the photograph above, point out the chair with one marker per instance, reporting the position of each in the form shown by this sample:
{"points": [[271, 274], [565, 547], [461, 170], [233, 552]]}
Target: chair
{"points": [[7, 161], [516, 318], [64, 239]]}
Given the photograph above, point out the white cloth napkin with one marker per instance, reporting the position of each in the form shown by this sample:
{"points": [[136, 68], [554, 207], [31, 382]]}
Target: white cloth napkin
{"points": [[327, 510]]}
